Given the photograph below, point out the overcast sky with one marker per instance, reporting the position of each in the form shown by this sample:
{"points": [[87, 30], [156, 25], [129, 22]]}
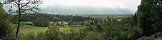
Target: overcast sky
{"points": [[132, 4], [123, 4]]}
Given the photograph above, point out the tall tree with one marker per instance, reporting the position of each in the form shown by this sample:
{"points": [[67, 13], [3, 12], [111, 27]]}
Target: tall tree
{"points": [[22, 6], [148, 16], [4, 24]]}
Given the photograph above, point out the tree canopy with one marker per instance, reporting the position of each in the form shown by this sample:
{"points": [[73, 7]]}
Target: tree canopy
{"points": [[148, 16], [4, 24]]}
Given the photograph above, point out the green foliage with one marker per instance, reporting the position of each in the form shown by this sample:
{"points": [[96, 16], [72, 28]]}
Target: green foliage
{"points": [[148, 17], [99, 28], [27, 23], [134, 33], [72, 36], [29, 36], [25, 29], [40, 22], [32, 36], [40, 36], [118, 30], [5, 28], [146, 38], [51, 17], [93, 36], [52, 35]]}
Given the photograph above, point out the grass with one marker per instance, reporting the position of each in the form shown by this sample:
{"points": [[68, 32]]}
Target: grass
{"points": [[65, 23], [70, 29], [32, 29], [28, 23], [25, 29]]}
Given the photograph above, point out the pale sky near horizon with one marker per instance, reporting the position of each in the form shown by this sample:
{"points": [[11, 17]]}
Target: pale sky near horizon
{"points": [[128, 4], [78, 7]]}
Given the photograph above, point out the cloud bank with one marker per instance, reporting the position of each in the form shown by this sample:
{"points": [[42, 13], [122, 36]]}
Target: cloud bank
{"points": [[91, 6]]}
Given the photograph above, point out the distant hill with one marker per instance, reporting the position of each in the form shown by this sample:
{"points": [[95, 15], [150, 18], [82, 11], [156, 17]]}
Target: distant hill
{"points": [[87, 11], [108, 15]]}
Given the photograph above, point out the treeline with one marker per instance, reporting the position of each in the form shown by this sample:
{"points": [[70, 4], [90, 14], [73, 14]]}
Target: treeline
{"points": [[51, 17], [44, 19]]}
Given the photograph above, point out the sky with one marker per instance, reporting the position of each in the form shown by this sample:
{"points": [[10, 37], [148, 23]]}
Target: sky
{"points": [[132, 4], [97, 6], [89, 7]]}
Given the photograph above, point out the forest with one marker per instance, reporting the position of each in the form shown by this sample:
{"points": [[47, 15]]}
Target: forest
{"points": [[31, 24]]}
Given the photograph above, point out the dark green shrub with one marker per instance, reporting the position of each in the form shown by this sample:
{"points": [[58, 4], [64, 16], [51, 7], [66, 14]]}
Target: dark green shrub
{"points": [[93, 36], [40, 22], [51, 35], [72, 36], [146, 38], [40, 36], [28, 36], [5, 26]]}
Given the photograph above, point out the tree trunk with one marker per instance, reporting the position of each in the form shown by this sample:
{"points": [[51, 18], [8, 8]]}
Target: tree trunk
{"points": [[19, 20]]}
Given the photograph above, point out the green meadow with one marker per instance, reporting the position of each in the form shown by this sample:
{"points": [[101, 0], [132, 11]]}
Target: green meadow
{"points": [[32, 29]]}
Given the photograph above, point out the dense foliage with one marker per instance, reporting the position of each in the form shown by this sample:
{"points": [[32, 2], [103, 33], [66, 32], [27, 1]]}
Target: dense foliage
{"points": [[5, 28], [97, 29], [148, 17], [51, 17], [44, 19], [40, 22]]}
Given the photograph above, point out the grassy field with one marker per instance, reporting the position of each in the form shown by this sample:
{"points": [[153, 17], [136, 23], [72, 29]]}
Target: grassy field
{"points": [[70, 29], [25, 29], [32, 29]]}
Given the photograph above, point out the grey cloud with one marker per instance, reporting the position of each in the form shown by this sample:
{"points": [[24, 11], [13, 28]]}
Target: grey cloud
{"points": [[86, 10]]}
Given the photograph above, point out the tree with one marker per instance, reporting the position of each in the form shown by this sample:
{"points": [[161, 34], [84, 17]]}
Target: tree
{"points": [[40, 22], [52, 35], [148, 17], [99, 28], [4, 24], [22, 6]]}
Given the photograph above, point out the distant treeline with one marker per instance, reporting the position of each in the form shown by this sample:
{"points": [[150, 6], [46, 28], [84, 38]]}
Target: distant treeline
{"points": [[50, 17], [40, 19]]}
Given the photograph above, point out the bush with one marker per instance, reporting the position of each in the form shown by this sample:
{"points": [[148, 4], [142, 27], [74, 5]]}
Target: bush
{"points": [[40, 22], [40, 36], [146, 38], [93, 36], [30, 36], [72, 36], [27, 23], [5, 27], [51, 35]]}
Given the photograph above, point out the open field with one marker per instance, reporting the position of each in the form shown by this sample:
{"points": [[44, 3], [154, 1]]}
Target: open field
{"points": [[32, 29], [70, 29]]}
